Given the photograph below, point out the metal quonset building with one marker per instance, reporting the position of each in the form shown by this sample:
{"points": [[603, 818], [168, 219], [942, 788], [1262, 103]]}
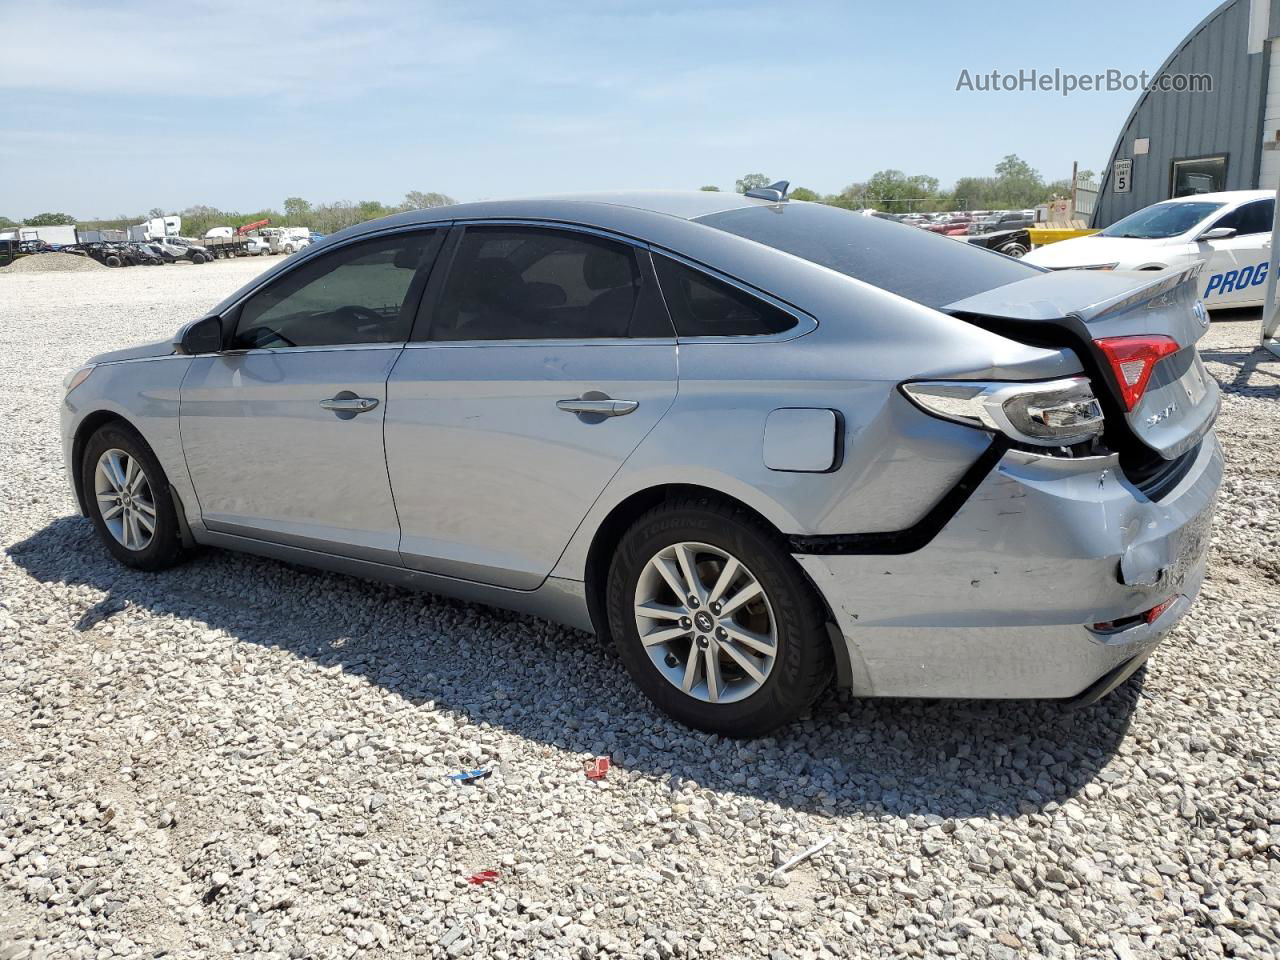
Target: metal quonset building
{"points": [[1179, 143]]}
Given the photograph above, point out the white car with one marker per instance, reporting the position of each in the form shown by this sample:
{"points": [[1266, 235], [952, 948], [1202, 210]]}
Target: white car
{"points": [[1230, 232], [257, 246]]}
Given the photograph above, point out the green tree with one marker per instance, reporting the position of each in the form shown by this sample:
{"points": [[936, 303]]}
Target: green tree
{"points": [[1018, 184], [417, 200], [752, 181], [370, 210], [896, 191], [296, 208], [6, 222], [804, 193], [49, 220], [710, 188]]}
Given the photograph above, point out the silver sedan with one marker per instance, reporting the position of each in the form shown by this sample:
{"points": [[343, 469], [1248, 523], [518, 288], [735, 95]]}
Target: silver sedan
{"points": [[760, 445]]}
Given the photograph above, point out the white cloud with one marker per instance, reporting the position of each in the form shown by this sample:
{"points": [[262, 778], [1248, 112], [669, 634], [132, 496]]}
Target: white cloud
{"points": [[314, 50]]}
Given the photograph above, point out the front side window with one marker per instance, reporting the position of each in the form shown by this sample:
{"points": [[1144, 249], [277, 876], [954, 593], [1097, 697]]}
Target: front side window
{"points": [[356, 294], [533, 283], [1250, 218], [1161, 221], [702, 306]]}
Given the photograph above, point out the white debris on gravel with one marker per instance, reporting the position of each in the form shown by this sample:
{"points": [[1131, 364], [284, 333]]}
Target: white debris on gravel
{"points": [[239, 756], [53, 263]]}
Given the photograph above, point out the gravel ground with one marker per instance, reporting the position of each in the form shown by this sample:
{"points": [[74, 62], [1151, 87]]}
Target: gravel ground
{"points": [[241, 757]]}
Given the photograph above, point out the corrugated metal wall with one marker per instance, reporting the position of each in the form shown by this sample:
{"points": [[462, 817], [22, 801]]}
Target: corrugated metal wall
{"points": [[1181, 125]]}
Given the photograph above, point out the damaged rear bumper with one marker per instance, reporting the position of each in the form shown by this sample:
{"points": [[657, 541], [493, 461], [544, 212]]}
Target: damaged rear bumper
{"points": [[1000, 603]]}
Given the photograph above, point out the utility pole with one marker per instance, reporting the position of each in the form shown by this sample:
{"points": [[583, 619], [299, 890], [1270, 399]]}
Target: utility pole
{"points": [[1270, 318]]}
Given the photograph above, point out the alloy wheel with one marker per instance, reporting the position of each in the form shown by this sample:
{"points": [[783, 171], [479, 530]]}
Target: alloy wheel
{"points": [[125, 501], [705, 622]]}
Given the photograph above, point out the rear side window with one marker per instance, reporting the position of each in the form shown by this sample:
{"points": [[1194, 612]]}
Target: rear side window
{"points": [[916, 264], [702, 306]]}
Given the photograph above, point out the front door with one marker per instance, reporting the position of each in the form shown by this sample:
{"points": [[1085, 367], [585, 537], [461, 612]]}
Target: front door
{"points": [[283, 431], [548, 359], [1235, 273]]}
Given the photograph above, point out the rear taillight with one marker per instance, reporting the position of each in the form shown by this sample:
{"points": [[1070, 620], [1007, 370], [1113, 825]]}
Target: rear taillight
{"points": [[1154, 613], [1053, 413], [1132, 361]]}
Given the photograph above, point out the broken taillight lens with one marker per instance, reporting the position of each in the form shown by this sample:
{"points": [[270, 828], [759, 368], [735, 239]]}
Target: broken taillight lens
{"points": [[1154, 613], [1132, 361], [1046, 413]]}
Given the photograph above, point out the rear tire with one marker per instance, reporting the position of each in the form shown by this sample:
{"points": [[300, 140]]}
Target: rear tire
{"points": [[143, 530], [770, 656]]}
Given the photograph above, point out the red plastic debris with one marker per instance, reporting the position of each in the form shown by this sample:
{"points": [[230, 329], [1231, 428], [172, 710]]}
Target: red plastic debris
{"points": [[483, 877], [596, 768]]}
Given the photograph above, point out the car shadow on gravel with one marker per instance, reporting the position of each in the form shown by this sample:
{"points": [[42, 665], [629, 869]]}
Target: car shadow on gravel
{"points": [[559, 687], [1252, 373]]}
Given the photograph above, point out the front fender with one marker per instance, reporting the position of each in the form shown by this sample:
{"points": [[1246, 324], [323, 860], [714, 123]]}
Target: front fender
{"points": [[145, 394]]}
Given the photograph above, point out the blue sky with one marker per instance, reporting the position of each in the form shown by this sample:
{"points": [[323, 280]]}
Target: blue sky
{"points": [[116, 108]]}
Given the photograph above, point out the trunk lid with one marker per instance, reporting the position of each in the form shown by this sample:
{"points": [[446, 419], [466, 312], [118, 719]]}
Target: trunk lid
{"points": [[1076, 308]]}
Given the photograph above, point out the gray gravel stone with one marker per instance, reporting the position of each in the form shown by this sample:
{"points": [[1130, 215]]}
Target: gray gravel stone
{"points": [[238, 756]]}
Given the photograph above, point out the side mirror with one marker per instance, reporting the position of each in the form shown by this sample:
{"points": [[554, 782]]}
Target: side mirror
{"points": [[1217, 233], [202, 336]]}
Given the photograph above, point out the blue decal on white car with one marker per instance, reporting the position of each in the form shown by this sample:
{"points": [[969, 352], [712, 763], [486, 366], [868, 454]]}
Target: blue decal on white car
{"points": [[1232, 280]]}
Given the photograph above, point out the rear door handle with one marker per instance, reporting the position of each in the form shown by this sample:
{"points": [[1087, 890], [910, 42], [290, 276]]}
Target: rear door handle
{"points": [[349, 404], [598, 408]]}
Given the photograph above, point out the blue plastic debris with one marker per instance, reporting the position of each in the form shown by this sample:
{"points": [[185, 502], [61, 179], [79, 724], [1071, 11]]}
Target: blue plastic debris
{"points": [[470, 776]]}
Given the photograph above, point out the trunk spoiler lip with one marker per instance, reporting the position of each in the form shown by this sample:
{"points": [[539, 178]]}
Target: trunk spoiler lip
{"points": [[1033, 309], [1141, 294]]}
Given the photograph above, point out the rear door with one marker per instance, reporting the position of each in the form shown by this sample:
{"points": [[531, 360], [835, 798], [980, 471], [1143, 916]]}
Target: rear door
{"points": [[1235, 271], [283, 431], [541, 361]]}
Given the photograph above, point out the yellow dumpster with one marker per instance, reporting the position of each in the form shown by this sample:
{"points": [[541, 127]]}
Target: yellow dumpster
{"points": [[1042, 235]]}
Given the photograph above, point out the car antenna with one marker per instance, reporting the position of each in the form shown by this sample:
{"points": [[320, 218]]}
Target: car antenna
{"points": [[777, 192]]}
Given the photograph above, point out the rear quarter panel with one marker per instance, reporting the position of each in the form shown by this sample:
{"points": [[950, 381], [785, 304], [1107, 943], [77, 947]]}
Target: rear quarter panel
{"points": [[896, 462]]}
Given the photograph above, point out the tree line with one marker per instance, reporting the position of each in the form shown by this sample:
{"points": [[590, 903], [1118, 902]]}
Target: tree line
{"points": [[1014, 185], [296, 212]]}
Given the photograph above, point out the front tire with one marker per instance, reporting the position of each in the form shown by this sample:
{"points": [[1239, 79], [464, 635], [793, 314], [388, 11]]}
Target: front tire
{"points": [[715, 621], [129, 500]]}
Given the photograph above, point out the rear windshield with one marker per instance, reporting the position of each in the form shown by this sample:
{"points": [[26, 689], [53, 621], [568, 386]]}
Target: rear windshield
{"points": [[913, 263], [1162, 221]]}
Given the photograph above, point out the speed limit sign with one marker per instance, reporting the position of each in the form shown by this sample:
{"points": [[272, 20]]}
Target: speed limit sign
{"points": [[1123, 175]]}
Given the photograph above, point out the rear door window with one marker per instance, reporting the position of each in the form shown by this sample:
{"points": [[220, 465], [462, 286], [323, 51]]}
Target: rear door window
{"points": [[535, 283]]}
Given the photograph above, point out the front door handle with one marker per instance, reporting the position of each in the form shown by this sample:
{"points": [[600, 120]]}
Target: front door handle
{"points": [[349, 404], [598, 408]]}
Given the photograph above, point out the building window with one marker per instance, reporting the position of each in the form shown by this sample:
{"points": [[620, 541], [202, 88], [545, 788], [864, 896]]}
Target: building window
{"points": [[1196, 175]]}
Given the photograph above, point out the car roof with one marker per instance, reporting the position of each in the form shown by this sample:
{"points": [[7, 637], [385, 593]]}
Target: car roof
{"points": [[1223, 196], [626, 211]]}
